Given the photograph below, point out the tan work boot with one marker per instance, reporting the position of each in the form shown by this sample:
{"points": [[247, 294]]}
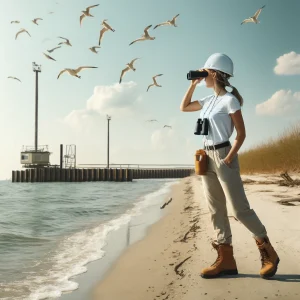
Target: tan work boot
{"points": [[269, 259], [224, 265]]}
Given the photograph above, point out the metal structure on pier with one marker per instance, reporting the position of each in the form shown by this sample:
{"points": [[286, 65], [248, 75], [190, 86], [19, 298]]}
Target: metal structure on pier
{"points": [[70, 157]]}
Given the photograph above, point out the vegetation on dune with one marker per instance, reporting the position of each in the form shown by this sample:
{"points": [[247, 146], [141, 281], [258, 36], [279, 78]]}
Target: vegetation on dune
{"points": [[281, 154]]}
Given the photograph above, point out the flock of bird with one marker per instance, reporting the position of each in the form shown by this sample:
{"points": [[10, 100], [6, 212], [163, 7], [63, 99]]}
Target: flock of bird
{"points": [[106, 28], [154, 120]]}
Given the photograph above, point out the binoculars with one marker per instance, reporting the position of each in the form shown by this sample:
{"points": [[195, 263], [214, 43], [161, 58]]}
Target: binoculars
{"points": [[191, 75], [201, 127]]}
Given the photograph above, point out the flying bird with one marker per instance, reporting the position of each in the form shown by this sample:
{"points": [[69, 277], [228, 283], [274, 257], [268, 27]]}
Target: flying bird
{"points": [[105, 28], [15, 22], [86, 13], [49, 57], [168, 126], [12, 77], [144, 37], [154, 82], [74, 72], [169, 22], [35, 20], [66, 42], [51, 12], [253, 19], [20, 31], [129, 67], [152, 120], [93, 49], [51, 50]]}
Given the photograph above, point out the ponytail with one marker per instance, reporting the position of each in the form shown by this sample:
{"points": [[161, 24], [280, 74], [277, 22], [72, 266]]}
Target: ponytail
{"points": [[222, 78], [236, 93]]}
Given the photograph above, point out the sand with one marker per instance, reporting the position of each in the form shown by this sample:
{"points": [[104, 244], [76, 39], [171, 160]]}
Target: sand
{"points": [[147, 269]]}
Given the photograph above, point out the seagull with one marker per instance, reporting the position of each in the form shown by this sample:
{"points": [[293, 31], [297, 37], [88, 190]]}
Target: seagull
{"points": [[93, 49], [168, 126], [35, 20], [86, 12], [15, 22], [12, 77], [144, 37], [129, 67], [22, 30], [106, 25], [154, 82], [105, 28], [48, 56], [169, 22], [152, 120], [67, 42], [253, 19], [51, 50], [74, 72]]}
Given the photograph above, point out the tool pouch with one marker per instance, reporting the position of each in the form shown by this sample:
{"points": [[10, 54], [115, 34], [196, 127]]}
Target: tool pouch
{"points": [[201, 162]]}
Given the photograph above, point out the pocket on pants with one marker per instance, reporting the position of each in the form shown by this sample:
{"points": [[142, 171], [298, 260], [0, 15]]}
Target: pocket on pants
{"points": [[222, 153], [224, 164]]}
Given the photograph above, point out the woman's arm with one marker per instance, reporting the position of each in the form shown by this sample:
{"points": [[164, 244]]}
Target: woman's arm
{"points": [[186, 104], [239, 125]]}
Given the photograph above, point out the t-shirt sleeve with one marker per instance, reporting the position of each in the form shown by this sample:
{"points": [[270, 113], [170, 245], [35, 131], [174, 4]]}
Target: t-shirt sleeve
{"points": [[203, 100], [233, 105]]}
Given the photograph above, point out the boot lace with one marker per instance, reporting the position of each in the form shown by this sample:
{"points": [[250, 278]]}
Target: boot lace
{"points": [[264, 256]]}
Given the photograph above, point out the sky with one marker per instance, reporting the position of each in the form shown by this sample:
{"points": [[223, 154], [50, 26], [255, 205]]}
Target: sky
{"points": [[266, 59]]}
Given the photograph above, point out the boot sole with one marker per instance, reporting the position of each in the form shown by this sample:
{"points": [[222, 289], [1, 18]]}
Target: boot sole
{"points": [[267, 276], [225, 272]]}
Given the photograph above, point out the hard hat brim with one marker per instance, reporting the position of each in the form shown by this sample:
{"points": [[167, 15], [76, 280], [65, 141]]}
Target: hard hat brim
{"points": [[212, 68]]}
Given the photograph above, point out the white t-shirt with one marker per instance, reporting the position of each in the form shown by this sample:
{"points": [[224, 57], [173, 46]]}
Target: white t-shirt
{"points": [[217, 112]]}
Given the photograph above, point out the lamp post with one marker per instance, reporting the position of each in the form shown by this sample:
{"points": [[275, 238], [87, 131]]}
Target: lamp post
{"points": [[37, 69], [108, 119]]}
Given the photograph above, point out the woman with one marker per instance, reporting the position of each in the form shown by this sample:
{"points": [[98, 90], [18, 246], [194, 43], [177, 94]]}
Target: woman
{"points": [[223, 181]]}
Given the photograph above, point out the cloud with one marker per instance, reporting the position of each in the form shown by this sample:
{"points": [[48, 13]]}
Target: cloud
{"points": [[167, 139], [281, 103], [82, 119], [160, 138], [114, 98], [288, 64], [118, 100], [170, 146]]}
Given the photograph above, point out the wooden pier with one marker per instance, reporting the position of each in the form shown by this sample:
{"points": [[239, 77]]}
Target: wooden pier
{"points": [[95, 174]]}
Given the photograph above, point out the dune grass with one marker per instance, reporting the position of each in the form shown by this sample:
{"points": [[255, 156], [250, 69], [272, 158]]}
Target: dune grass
{"points": [[281, 154]]}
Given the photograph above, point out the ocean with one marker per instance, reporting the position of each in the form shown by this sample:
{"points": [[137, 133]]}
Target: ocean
{"points": [[49, 232]]}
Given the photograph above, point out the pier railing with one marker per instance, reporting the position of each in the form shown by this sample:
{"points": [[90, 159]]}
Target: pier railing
{"points": [[138, 166]]}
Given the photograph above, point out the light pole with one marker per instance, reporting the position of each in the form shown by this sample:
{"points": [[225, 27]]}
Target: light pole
{"points": [[108, 119], [37, 69]]}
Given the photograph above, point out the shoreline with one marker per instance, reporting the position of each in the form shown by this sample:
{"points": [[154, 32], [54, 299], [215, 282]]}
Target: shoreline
{"points": [[158, 239], [166, 264], [118, 241]]}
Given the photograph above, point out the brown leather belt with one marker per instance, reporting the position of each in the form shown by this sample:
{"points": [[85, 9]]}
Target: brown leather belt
{"points": [[225, 144]]}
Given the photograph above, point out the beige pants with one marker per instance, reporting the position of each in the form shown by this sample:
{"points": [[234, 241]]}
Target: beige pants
{"points": [[224, 182]]}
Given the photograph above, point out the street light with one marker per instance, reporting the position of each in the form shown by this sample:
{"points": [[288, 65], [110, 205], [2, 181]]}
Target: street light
{"points": [[108, 119], [37, 69]]}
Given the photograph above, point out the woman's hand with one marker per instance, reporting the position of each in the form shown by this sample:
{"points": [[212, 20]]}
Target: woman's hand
{"points": [[227, 161], [196, 81]]}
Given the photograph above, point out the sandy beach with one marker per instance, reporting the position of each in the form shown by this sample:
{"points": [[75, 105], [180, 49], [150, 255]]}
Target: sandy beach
{"points": [[166, 264]]}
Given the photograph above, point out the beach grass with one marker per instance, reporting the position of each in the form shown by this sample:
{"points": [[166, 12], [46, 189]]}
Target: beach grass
{"points": [[281, 154]]}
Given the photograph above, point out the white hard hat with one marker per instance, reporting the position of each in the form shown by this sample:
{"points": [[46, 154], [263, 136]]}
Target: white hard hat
{"points": [[220, 62]]}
